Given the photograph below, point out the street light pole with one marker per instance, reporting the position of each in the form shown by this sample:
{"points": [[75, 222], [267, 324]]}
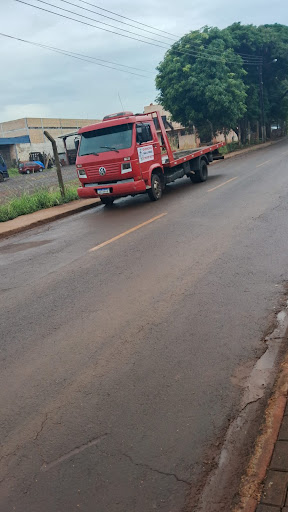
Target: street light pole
{"points": [[261, 97]]}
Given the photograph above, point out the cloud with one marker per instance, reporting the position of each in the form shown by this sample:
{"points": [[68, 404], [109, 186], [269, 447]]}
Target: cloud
{"points": [[38, 82], [15, 111]]}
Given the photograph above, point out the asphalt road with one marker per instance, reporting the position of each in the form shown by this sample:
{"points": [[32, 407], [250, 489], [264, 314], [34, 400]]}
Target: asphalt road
{"points": [[119, 360]]}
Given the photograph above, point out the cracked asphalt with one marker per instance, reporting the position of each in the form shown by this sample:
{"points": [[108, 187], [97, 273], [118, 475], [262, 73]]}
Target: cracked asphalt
{"points": [[122, 367]]}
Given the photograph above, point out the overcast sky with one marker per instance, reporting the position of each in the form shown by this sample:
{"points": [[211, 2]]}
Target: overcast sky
{"points": [[36, 82]]}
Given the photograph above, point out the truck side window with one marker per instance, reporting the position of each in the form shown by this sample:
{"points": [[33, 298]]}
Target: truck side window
{"points": [[144, 133]]}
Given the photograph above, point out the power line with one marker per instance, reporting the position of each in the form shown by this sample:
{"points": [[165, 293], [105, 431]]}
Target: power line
{"points": [[86, 23], [204, 55], [117, 21], [85, 58], [154, 28], [175, 38], [129, 19], [93, 19]]}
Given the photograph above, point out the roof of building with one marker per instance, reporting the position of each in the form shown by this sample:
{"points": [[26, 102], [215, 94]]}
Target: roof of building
{"points": [[8, 141]]}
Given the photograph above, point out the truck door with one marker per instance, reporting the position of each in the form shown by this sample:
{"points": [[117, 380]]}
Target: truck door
{"points": [[148, 147]]}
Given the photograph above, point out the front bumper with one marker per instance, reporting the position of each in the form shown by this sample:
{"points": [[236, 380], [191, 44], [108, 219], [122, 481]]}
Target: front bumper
{"points": [[116, 189]]}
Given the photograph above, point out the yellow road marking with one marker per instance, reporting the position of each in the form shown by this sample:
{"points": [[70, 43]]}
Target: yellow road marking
{"points": [[126, 232], [221, 184], [263, 163]]}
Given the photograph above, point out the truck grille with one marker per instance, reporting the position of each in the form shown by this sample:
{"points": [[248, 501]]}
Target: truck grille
{"points": [[112, 172]]}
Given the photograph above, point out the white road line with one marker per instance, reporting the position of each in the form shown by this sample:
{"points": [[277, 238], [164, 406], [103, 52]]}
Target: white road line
{"points": [[221, 185], [126, 232]]}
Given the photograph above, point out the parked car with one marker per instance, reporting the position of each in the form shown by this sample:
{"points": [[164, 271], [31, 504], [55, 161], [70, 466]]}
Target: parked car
{"points": [[3, 169], [29, 167]]}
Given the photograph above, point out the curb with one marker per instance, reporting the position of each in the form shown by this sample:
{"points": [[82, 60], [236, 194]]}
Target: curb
{"points": [[253, 148], [251, 483], [6, 231]]}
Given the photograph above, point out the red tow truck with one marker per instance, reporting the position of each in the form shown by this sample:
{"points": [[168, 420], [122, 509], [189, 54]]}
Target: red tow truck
{"points": [[122, 156]]}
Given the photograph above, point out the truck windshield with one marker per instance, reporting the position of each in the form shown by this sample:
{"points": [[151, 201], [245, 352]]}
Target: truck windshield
{"points": [[111, 138]]}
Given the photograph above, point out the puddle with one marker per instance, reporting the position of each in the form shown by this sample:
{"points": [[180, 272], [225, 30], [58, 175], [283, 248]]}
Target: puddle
{"points": [[12, 248]]}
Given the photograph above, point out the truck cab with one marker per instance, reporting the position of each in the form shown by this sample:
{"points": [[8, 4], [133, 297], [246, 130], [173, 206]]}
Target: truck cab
{"points": [[3, 169], [117, 156]]}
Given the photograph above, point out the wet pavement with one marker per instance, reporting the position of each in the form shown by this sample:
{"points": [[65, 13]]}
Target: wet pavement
{"points": [[124, 358]]}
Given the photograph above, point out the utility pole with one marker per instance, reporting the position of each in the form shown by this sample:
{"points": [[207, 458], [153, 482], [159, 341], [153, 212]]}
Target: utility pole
{"points": [[57, 163], [261, 97]]}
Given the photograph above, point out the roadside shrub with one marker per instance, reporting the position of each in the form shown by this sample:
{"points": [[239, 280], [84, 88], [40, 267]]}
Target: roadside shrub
{"points": [[29, 203]]}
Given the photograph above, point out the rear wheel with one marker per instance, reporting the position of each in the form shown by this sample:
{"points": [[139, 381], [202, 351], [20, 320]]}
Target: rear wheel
{"points": [[201, 174], [156, 190], [1, 177], [108, 201]]}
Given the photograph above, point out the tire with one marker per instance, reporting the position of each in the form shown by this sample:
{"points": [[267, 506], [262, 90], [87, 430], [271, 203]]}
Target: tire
{"points": [[1, 177], [27, 172], [156, 190], [107, 201], [200, 175]]}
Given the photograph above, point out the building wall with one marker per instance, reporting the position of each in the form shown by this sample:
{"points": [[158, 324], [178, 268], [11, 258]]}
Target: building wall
{"points": [[23, 150], [178, 139], [34, 127], [15, 128], [153, 106], [188, 140], [230, 137]]}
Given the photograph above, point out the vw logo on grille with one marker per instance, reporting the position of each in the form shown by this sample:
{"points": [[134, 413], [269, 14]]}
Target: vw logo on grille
{"points": [[102, 171]]}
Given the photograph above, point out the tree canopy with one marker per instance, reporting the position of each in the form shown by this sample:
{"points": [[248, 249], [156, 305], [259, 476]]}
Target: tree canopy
{"points": [[210, 77]]}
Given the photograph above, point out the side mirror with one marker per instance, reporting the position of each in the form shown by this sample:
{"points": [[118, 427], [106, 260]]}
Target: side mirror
{"points": [[76, 142]]}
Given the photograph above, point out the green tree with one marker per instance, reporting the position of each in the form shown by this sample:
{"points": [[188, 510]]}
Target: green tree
{"points": [[270, 43], [205, 82], [202, 88]]}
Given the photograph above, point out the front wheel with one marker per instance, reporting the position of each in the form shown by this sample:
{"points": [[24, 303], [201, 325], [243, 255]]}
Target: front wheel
{"points": [[108, 201], [201, 174], [156, 190]]}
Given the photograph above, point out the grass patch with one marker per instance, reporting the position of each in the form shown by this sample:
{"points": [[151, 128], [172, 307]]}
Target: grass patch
{"points": [[13, 171], [230, 147], [29, 203], [235, 146]]}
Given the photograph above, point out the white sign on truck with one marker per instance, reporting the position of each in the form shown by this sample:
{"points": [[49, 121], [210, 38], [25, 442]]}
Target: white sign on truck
{"points": [[145, 154]]}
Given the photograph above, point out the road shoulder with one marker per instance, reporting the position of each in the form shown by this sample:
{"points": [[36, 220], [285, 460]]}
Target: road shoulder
{"points": [[24, 222]]}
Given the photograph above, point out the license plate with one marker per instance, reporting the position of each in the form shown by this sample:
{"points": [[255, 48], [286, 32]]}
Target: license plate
{"points": [[103, 191]]}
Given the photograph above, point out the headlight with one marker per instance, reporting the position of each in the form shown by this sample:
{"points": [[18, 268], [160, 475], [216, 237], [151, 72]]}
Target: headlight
{"points": [[81, 173], [126, 168]]}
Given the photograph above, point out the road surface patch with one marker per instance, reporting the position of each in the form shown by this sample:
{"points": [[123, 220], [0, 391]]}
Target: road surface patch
{"points": [[126, 233], [221, 184]]}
